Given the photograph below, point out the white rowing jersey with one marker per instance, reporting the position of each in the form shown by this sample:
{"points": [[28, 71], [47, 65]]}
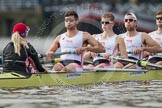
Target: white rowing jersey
{"points": [[133, 42], [109, 45], [71, 44], [157, 38]]}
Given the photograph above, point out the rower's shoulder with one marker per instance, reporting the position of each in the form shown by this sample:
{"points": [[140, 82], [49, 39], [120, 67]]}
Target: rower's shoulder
{"points": [[86, 33], [144, 34], [119, 38], [57, 38], [122, 35], [151, 33]]}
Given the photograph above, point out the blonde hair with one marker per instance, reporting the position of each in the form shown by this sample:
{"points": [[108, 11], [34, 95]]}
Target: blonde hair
{"points": [[18, 40], [108, 15]]}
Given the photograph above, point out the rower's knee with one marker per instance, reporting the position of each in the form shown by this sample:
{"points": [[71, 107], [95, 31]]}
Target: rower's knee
{"points": [[58, 67], [69, 68], [118, 65], [100, 66], [159, 63], [90, 66]]}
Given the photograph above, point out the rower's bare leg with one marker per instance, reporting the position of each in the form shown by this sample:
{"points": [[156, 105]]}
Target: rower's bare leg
{"points": [[69, 68], [130, 66], [90, 66], [159, 63], [118, 65], [100, 66], [58, 67]]}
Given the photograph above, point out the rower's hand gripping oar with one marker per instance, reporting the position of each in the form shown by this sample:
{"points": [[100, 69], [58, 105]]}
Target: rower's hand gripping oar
{"points": [[56, 55]]}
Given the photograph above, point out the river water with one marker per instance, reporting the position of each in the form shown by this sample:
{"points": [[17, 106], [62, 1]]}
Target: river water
{"points": [[106, 95]]}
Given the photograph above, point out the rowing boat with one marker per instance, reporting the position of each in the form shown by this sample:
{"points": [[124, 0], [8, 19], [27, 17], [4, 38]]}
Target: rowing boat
{"points": [[90, 76]]}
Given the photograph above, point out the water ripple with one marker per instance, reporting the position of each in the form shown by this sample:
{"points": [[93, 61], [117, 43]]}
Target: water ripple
{"points": [[114, 95]]}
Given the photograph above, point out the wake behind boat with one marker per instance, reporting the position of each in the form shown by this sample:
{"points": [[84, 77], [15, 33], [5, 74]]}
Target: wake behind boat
{"points": [[90, 76]]}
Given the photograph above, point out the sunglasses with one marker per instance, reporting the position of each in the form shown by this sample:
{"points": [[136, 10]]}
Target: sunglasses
{"points": [[158, 18], [130, 20], [105, 22], [69, 20], [26, 31]]}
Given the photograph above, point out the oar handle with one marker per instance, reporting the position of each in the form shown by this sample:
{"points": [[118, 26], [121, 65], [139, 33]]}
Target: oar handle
{"points": [[53, 61], [62, 53], [102, 54], [56, 54]]}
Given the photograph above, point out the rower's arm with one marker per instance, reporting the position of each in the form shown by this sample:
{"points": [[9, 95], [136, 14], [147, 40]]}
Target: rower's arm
{"points": [[148, 41], [96, 46], [88, 54], [121, 45], [55, 45]]}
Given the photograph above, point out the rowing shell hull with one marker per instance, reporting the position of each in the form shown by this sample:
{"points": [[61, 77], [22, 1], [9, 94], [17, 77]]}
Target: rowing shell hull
{"points": [[13, 80]]}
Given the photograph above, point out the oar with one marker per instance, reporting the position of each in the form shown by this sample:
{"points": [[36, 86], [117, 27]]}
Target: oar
{"points": [[53, 61], [57, 54], [88, 62], [114, 70], [138, 62]]}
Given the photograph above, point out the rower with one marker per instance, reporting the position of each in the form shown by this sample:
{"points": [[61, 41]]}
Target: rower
{"points": [[136, 42], [19, 54], [157, 36], [112, 43], [73, 39]]}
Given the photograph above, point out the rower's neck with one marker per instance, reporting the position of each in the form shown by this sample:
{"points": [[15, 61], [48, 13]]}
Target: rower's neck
{"points": [[107, 34], [159, 30], [131, 33], [71, 33]]}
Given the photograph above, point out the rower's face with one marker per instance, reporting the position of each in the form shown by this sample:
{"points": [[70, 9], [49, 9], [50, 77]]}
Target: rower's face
{"points": [[159, 20], [106, 24], [130, 23], [70, 22]]}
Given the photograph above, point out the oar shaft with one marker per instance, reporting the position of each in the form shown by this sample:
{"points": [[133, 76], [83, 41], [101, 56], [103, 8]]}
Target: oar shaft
{"points": [[53, 61], [56, 54], [62, 53], [138, 62]]}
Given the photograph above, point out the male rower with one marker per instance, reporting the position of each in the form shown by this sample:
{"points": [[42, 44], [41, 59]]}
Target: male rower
{"points": [[136, 42], [73, 39], [113, 44], [157, 36]]}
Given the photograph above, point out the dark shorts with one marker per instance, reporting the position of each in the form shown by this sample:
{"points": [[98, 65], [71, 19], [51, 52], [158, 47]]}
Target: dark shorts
{"points": [[97, 62], [133, 58], [155, 59], [66, 62]]}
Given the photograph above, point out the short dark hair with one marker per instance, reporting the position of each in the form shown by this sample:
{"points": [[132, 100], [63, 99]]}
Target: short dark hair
{"points": [[71, 13], [159, 12]]}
